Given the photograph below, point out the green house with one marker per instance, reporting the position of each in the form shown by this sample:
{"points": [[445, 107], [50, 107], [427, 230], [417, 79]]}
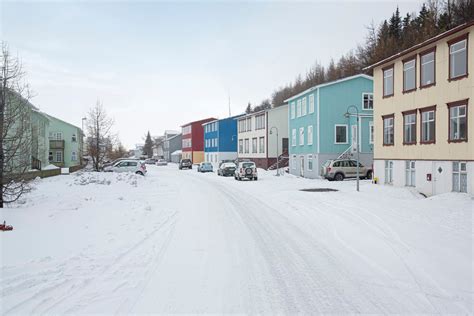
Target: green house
{"points": [[65, 143]]}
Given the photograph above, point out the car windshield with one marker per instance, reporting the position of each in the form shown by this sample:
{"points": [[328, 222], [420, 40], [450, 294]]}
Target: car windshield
{"points": [[248, 165], [206, 164], [186, 161], [327, 163], [228, 165]]}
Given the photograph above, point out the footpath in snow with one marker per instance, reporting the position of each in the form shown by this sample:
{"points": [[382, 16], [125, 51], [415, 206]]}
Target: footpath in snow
{"points": [[183, 242]]}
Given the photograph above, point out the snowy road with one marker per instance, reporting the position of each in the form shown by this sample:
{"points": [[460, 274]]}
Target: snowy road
{"points": [[179, 241]]}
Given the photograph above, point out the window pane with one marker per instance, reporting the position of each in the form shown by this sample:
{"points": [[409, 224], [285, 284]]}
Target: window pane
{"points": [[409, 75], [388, 82], [458, 59], [341, 134], [427, 69]]}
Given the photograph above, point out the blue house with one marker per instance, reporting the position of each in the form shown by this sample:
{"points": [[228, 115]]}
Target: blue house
{"points": [[220, 140], [320, 129]]}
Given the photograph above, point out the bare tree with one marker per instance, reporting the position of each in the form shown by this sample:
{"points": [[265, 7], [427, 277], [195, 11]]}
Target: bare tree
{"points": [[15, 128], [100, 138]]}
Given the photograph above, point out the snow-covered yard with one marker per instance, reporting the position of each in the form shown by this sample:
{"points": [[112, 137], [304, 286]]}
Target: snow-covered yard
{"points": [[178, 241]]}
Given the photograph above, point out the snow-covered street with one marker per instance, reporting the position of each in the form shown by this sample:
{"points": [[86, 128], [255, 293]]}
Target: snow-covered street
{"points": [[183, 242]]}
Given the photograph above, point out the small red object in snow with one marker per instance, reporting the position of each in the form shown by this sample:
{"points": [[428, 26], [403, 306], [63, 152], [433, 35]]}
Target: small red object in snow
{"points": [[5, 227]]}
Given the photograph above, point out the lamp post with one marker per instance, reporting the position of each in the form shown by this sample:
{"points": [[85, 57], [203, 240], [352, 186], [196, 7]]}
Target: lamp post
{"points": [[278, 168], [348, 115]]}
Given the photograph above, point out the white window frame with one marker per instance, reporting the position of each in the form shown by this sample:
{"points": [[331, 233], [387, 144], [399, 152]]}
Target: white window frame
{"points": [[292, 110], [429, 63], [385, 77], [293, 137], [310, 135], [371, 132], [451, 55], [56, 156], [247, 146], [410, 173], [460, 173], [408, 66], [261, 145], [303, 106], [457, 117], [370, 98], [301, 136], [311, 103], [425, 119], [335, 134], [310, 160], [298, 108], [293, 162]]}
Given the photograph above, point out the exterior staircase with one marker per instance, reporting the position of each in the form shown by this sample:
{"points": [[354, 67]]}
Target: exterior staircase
{"points": [[347, 154], [283, 160]]}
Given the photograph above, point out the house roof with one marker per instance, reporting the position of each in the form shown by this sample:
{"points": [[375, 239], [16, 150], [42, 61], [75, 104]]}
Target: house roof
{"points": [[329, 84], [55, 118], [262, 111], [199, 121], [422, 44], [225, 118], [172, 137]]}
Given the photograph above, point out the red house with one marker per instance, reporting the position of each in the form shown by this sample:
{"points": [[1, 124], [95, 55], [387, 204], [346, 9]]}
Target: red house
{"points": [[193, 140]]}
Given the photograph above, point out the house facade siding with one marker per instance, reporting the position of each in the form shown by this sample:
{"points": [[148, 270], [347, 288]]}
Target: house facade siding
{"points": [[256, 143], [193, 140], [65, 143], [316, 114], [220, 140], [172, 144], [435, 160]]}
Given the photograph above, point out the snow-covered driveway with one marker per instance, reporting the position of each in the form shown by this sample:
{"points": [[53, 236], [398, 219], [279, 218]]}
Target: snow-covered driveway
{"points": [[179, 241]]}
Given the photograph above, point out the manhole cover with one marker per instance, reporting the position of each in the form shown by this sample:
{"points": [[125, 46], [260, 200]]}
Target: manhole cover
{"points": [[319, 190]]}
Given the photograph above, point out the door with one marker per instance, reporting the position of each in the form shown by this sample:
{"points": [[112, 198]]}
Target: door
{"points": [[354, 138], [302, 166], [284, 145]]}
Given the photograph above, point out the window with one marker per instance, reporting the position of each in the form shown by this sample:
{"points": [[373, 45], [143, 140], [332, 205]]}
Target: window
{"points": [[388, 82], [186, 130], [340, 134], [249, 124], [388, 130], [73, 156], [301, 136], [410, 173], [409, 127], [50, 156], [371, 132], [427, 69], [254, 145], [428, 125], [293, 161], [246, 145], [388, 171], [303, 106], [59, 156], [293, 137], [368, 101], [459, 176], [55, 135], [310, 162], [310, 135], [292, 110], [242, 126], [74, 138], [458, 121], [260, 121], [298, 108], [409, 75], [458, 58], [186, 142], [261, 145], [241, 146], [311, 103]]}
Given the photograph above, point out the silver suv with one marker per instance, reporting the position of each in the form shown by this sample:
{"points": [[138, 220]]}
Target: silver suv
{"points": [[246, 170], [339, 169]]}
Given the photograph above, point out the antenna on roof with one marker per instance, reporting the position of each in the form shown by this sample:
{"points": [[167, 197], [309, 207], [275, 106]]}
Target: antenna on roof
{"points": [[229, 107]]}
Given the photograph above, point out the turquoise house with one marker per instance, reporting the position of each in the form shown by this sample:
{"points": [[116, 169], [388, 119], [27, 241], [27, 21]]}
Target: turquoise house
{"points": [[320, 129], [65, 143]]}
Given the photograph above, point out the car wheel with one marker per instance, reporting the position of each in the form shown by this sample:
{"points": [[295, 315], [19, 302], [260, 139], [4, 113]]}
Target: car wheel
{"points": [[369, 175], [339, 177], [139, 173], [256, 178]]}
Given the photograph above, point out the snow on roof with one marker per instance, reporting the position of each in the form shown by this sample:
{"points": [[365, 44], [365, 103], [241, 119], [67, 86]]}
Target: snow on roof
{"points": [[329, 84], [176, 152]]}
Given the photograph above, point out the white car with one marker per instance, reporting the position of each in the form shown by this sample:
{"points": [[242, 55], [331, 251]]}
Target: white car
{"points": [[246, 170], [161, 162], [134, 166]]}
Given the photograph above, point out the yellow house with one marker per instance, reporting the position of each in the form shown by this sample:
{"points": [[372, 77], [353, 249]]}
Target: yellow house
{"points": [[423, 119]]}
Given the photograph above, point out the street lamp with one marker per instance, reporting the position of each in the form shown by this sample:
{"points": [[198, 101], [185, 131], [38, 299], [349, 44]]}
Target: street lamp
{"points": [[271, 129], [348, 115]]}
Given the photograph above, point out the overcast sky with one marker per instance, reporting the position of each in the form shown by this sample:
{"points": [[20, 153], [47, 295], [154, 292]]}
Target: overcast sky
{"points": [[158, 65]]}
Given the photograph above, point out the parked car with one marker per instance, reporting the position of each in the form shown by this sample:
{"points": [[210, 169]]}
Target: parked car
{"points": [[226, 169], [185, 164], [205, 167], [246, 170], [225, 161], [340, 169], [151, 161], [161, 162], [131, 165], [107, 166]]}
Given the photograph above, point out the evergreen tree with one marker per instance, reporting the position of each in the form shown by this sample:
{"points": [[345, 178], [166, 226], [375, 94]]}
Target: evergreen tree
{"points": [[248, 110], [148, 147]]}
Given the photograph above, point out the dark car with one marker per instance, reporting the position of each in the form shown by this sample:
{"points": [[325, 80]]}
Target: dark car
{"points": [[185, 164], [226, 169]]}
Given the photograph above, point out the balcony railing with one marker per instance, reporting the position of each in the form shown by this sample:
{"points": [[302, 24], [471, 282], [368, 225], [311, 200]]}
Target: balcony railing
{"points": [[56, 144]]}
